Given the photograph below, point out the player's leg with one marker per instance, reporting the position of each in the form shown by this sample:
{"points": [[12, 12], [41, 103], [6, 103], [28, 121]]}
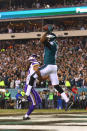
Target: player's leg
{"points": [[51, 70], [55, 82], [33, 102], [30, 110], [36, 96]]}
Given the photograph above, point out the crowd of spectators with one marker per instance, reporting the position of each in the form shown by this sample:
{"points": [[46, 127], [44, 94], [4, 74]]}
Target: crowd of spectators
{"points": [[5, 100], [50, 100], [36, 25], [71, 61], [35, 4]]}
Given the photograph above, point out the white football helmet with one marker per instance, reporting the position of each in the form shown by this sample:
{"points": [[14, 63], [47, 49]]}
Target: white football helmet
{"points": [[51, 36], [32, 59]]}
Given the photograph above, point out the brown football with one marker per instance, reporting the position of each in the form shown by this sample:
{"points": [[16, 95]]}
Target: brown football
{"points": [[45, 28]]}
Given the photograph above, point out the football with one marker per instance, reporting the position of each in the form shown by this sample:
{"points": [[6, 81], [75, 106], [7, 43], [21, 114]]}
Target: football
{"points": [[45, 28]]}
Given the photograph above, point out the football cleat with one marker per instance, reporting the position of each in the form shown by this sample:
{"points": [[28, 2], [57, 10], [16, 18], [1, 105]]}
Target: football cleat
{"points": [[26, 118]]}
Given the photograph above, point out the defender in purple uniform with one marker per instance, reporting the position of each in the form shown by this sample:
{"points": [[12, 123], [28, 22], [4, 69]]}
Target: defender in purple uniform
{"points": [[34, 97]]}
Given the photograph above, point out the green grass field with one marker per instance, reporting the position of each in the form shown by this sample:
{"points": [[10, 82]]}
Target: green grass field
{"points": [[37, 111]]}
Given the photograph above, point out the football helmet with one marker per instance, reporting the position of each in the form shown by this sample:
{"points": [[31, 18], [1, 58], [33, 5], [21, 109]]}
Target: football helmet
{"points": [[32, 59], [34, 55], [51, 37]]}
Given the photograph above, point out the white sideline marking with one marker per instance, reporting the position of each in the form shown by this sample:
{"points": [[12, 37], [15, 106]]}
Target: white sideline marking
{"points": [[51, 128], [21, 117], [43, 116], [41, 119], [72, 126]]}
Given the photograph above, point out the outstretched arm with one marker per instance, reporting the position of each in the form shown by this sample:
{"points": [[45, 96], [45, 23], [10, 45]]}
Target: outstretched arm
{"points": [[43, 38], [48, 28]]}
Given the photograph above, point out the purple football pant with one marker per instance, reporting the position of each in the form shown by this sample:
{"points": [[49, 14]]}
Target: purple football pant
{"points": [[34, 100]]}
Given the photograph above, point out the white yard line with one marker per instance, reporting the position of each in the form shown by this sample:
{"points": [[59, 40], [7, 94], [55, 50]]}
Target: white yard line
{"points": [[55, 126], [51, 128], [50, 116], [42, 119]]}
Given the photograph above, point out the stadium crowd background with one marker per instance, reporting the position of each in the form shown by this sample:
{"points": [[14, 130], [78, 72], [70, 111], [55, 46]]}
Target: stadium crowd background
{"points": [[35, 26], [71, 61], [33, 4]]}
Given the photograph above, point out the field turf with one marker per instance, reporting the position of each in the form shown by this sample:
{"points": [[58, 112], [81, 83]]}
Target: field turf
{"points": [[37, 111]]}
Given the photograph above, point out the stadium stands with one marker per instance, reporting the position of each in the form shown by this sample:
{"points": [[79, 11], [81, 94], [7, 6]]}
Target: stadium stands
{"points": [[71, 50], [32, 4], [28, 26]]}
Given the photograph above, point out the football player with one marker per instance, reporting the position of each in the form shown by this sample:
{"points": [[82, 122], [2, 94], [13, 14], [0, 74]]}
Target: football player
{"points": [[33, 98], [49, 68]]}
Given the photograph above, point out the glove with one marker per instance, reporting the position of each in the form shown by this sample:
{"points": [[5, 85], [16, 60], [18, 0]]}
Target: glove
{"points": [[25, 98]]}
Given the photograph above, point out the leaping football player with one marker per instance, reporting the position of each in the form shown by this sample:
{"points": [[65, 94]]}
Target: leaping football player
{"points": [[49, 68]]}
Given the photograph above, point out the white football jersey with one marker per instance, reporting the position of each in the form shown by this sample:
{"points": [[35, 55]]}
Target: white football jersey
{"points": [[31, 71]]}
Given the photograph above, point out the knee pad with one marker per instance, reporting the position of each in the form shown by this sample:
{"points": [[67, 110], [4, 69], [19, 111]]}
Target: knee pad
{"points": [[32, 79], [59, 89]]}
